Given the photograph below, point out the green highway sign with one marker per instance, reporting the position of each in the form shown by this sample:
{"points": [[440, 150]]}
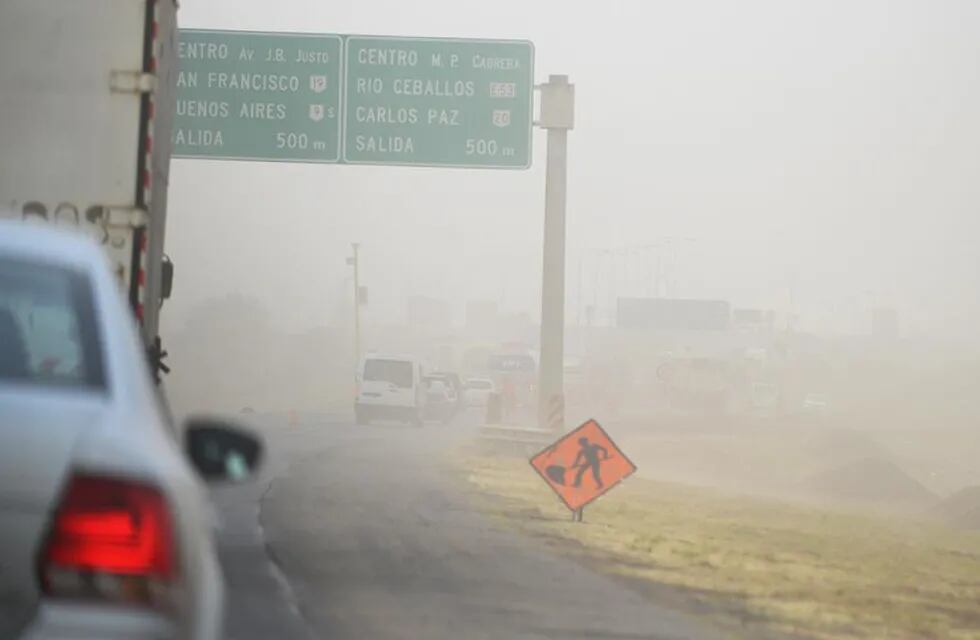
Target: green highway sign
{"points": [[245, 95], [438, 102]]}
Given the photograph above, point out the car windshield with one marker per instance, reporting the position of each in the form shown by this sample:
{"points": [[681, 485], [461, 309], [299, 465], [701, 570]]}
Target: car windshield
{"points": [[47, 327], [396, 372]]}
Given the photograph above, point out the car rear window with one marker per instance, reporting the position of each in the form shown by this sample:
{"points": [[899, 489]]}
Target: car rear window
{"points": [[396, 372], [47, 327]]}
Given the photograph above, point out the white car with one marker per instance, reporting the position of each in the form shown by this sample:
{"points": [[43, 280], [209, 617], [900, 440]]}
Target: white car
{"points": [[390, 388], [816, 404], [105, 529], [440, 400], [478, 391]]}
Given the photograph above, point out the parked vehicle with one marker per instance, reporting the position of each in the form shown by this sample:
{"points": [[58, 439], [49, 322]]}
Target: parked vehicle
{"points": [[104, 528], [457, 391], [478, 391], [87, 96], [390, 388], [515, 375], [816, 404], [440, 400]]}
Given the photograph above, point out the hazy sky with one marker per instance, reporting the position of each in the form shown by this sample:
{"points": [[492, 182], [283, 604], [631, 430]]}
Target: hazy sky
{"points": [[823, 155]]}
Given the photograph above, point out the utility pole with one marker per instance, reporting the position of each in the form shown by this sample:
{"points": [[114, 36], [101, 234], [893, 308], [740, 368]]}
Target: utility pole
{"points": [[557, 117], [354, 261]]}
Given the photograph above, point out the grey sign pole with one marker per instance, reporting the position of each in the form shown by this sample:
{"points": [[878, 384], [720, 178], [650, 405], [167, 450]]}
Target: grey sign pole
{"points": [[557, 117]]}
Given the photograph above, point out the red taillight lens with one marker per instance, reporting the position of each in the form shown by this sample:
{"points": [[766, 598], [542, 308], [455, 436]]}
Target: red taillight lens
{"points": [[110, 538]]}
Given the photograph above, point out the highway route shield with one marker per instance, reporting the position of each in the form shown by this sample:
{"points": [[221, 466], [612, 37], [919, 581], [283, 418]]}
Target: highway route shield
{"points": [[582, 465]]}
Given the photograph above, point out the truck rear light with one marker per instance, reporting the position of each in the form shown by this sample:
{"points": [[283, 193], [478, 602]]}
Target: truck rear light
{"points": [[111, 539]]}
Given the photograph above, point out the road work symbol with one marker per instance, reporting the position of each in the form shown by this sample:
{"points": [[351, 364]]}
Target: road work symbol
{"points": [[582, 465]]}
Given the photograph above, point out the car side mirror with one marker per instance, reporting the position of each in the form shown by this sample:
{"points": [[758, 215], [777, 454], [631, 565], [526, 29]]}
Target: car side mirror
{"points": [[220, 451]]}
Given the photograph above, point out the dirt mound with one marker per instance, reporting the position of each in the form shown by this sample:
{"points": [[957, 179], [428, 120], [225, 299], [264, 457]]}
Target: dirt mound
{"points": [[842, 445], [873, 481], [962, 509]]}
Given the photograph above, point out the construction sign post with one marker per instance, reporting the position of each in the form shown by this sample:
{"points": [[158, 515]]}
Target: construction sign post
{"points": [[582, 465]]}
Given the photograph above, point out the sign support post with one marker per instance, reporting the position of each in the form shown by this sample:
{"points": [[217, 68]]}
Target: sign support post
{"points": [[557, 117]]}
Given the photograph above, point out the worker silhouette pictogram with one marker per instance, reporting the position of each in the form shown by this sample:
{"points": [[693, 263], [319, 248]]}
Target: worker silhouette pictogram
{"points": [[588, 458], [586, 450]]}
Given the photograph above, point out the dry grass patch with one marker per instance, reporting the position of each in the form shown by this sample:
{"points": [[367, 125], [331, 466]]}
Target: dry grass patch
{"points": [[804, 571]]}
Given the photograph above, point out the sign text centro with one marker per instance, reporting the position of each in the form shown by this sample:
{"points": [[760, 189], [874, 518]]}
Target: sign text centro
{"points": [[354, 99], [255, 96], [438, 102]]}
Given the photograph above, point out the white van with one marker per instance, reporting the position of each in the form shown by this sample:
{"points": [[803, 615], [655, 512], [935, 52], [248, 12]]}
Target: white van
{"points": [[390, 388]]}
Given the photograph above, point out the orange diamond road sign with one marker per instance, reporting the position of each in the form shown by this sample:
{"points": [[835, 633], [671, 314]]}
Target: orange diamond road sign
{"points": [[582, 465]]}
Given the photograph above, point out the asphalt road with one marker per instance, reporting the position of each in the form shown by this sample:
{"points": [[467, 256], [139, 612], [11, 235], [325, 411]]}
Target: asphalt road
{"points": [[360, 533]]}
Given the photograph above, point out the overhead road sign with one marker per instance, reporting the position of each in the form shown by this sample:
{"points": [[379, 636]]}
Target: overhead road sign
{"points": [[245, 95], [438, 102]]}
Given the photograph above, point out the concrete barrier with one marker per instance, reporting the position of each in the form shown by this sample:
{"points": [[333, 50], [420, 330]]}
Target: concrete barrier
{"points": [[516, 439]]}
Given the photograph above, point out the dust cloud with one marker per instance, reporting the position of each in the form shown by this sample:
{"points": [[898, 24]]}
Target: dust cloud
{"points": [[812, 166]]}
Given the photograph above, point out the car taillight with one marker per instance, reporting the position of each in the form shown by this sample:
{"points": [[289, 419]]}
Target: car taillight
{"points": [[111, 538]]}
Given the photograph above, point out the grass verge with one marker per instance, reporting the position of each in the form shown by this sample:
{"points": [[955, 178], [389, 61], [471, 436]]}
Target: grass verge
{"points": [[764, 565]]}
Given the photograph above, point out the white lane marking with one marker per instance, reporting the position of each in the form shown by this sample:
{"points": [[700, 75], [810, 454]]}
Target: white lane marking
{"points": [[285, 588]]}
